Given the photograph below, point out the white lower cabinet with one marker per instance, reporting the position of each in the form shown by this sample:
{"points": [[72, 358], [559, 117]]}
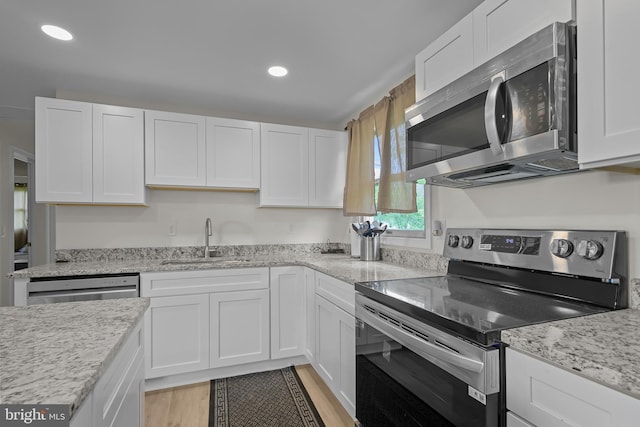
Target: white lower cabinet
{"points": [[177, 335], [335, 356], [239, 327], [205, 319], [516, 421], [117, 399], [310, 314], [210, 319], [287, 312], [544, 395]]}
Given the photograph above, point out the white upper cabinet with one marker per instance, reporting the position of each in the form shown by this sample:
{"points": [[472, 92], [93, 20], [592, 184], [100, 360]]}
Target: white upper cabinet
{"points": [[302, 167], [327, 168], [284, 165], [492, 27], [88, 153], [233, 153], [450, 56], [118, 155], [64, 152], [175, 152], [500, 24], [184, 150], [608, 87]]}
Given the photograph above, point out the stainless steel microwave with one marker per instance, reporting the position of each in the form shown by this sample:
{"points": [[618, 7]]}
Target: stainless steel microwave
{"points": [[511, 118]]}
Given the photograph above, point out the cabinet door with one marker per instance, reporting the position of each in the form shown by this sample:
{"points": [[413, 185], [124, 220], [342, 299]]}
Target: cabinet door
{"points": [[335, 351], [176, 335], [63, 150], [327, 342], [548, 396], [347, 386], [284, 166], [287, 312], [118, 395], [608, 87], [175, 152], [450, 56], [516, 421], [327, 168], [310, 314], [239, 327], [118, 155], [233, 153], [500, 24]]}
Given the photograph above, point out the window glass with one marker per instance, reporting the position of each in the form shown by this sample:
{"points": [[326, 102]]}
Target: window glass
{"points": [[401, 224]]}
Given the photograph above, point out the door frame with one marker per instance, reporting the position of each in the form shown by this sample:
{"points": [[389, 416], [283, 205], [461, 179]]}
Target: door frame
{"points": [[16, 153]]}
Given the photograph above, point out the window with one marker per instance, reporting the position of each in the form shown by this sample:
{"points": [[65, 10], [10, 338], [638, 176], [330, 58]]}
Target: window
{"points": [[402, 224]]}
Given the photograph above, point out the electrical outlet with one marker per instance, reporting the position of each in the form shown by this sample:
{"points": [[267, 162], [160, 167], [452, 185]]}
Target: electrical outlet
{"points": [[173, 228]]}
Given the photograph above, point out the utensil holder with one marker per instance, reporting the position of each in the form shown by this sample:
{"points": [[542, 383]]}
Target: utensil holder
{"points": [[370, 248]]}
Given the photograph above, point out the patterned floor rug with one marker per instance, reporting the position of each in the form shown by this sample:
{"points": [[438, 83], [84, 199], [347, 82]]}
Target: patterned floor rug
{"points": [[274, 398]]}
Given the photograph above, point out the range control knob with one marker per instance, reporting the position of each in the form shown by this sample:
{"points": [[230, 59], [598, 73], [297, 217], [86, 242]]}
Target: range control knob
{"points": [[561, 247], [590, 249], [453, 241], [466, 242]]}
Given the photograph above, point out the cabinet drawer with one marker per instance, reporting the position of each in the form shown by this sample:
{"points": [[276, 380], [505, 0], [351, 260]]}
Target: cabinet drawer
{"points": [[546, 395], [205, 281], [336, 291]]}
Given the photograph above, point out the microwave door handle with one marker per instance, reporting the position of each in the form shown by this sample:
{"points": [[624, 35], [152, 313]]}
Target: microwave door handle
{"points": [[490, 114]]}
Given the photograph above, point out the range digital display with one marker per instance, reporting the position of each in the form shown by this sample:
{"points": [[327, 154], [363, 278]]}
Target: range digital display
{"points": [[510, 244]]}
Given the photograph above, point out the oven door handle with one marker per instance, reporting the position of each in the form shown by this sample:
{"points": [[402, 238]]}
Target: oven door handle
{"points": [[421, 347]]}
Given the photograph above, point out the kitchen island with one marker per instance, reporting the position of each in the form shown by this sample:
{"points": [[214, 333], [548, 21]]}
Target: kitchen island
{"points": [[62, 353]]}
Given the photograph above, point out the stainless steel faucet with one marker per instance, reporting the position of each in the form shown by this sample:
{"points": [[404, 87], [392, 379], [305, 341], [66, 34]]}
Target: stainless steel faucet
{"points": [[207, 232]]}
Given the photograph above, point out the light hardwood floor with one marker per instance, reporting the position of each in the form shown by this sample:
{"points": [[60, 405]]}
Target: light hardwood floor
{"points": [[188, 406]]}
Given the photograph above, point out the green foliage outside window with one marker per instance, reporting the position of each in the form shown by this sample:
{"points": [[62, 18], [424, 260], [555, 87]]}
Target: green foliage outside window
{"points": [[403, 221]]}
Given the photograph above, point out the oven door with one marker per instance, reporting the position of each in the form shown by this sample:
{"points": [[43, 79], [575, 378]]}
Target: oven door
{"points": [[410, 374]]}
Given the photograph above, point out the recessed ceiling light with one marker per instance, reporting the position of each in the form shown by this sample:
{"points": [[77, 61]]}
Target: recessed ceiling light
{"points": [[57, 32], [278, 71]]}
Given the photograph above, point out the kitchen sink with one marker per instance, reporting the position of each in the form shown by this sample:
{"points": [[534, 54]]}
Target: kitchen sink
{"points": [[214, 261]]}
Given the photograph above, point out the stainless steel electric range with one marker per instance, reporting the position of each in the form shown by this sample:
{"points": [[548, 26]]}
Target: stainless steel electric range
{"points": [[428, 350]]}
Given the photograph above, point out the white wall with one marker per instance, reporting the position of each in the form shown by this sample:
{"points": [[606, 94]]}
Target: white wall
{"points": [[236, 220], [585, 200]]}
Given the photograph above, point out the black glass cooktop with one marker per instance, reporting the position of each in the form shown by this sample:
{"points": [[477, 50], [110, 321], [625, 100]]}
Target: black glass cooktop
{"points": [[471, 309]]}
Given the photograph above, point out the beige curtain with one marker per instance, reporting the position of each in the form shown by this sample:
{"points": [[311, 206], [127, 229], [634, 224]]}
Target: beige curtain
{"points": [[394, 194], [359, 186]]}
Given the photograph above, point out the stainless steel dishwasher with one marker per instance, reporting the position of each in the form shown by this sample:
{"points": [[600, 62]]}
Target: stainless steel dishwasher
{"points": [[47, 290]]}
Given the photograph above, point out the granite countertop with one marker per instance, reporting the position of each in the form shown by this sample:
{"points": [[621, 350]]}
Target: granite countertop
{"points": [[55, 353], [602, 347], [340, 266]]}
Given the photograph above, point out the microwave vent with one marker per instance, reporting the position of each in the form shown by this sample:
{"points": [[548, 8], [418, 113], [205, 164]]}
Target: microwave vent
{"points": [[555, 164]]}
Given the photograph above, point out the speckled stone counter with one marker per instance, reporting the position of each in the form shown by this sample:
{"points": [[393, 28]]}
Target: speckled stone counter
{"points": [[55, 353], [602, 347], [340, 266]]}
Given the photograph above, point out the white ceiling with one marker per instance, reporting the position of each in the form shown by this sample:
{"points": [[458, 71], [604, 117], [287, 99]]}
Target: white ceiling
{"points": [[342, 55]]}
